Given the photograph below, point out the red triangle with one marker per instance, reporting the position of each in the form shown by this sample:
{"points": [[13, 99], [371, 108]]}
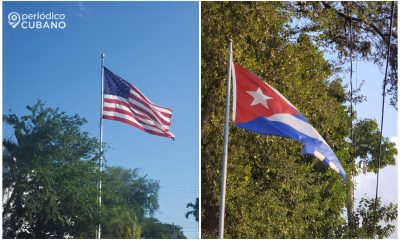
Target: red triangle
{"points": [[248, 81]]}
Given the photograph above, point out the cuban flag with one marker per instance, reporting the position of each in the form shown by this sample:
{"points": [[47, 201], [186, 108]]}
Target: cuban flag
{"points": [[260, 108]]}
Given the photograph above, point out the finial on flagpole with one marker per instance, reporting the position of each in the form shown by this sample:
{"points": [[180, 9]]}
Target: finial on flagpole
{"points": [[230, 41], [103, 55]]}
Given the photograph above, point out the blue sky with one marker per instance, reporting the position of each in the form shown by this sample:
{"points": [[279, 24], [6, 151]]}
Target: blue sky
{"points": [[371, 108], [373, 76], [153, 45]]}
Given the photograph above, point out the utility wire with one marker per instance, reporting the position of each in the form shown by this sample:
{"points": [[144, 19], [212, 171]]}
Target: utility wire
{"points": [[353, 144], [352, 110], [382, 116]]}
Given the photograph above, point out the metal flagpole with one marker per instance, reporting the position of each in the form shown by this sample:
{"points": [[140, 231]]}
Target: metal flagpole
{"points": [[98, 231], [226, 134]]}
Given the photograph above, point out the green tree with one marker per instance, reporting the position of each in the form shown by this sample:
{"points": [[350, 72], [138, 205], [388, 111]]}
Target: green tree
{"points": [[364, 220], [153, 228], [366, 149], [366, 136], [120, 222], [328, 23], [194, 211], [53, 178], [53, 184], [127, 199], [273, 191]]}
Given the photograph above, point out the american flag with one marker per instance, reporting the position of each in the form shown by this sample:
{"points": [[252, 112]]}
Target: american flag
{"points": [[125, 103]]}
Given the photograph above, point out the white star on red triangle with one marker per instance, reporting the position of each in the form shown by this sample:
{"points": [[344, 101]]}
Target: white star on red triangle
{"points": [[259, 98]]}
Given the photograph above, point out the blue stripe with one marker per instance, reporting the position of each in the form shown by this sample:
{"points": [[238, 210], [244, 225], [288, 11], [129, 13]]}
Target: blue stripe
{"points": [[262, 125]]}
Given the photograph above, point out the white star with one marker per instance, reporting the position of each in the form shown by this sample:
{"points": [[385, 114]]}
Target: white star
{"points": [[259, 97]]}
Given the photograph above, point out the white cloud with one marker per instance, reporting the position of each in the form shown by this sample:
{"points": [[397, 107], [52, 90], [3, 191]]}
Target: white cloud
{"points": [[396, 140], [82, 10], [388, 184]]}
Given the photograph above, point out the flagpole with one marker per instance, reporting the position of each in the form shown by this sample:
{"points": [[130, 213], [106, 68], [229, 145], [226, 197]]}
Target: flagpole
{"points": [[98, 231], [226, 135]]}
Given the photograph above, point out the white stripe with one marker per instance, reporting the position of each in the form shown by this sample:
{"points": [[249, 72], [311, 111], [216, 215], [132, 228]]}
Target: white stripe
{"points": [[137, 111], [147, 121], [333, 167], [114, 97], [127, 117], [138, 95], [321, 157], [234, 91], [297, 124], [115, 105], [136, 103], [161, 109]]}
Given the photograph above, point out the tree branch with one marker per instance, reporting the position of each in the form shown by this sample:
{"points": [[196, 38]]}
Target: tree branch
{"points": [[369, 24]]}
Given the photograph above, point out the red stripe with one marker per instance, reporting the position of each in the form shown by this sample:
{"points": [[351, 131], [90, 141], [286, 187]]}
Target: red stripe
{"points": [[169, 109], [158, 118], [167, 115], [144, 97], [130, 105], [135, 125], [164, 114], [115, 101], [149, 105], [118, 110], [155, 118]]}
